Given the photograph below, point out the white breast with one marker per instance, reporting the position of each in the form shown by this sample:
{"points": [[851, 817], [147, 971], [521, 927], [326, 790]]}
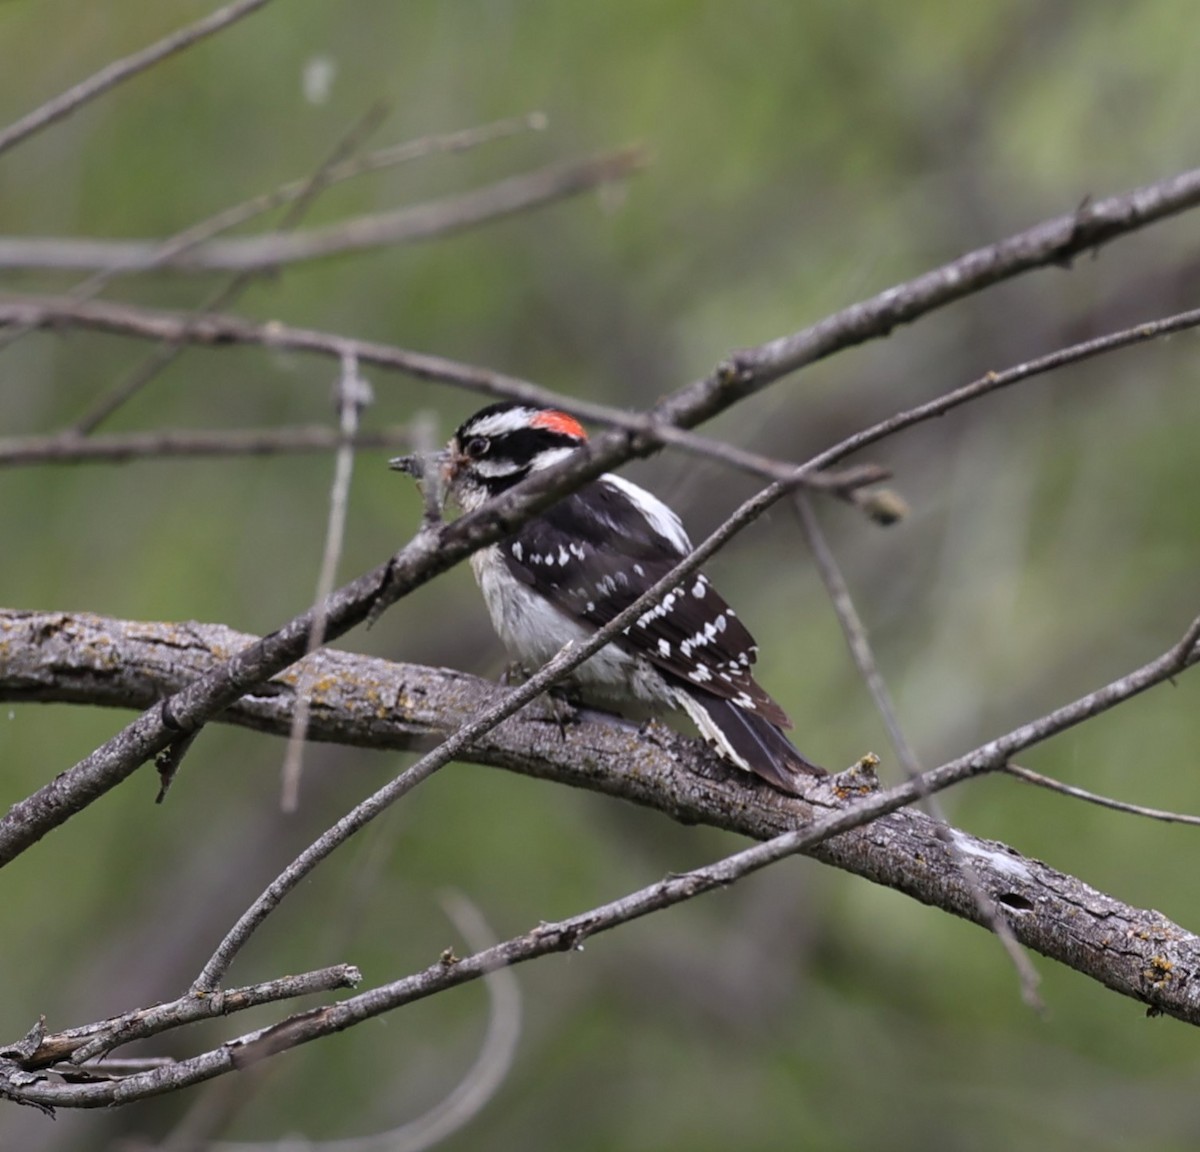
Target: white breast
{"points": [[534, 630]]}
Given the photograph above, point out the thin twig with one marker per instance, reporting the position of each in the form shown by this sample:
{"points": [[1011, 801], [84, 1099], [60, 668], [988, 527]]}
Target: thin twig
{"points": [[165, 251], [237, 214], [121, 70], [1048, 782], [418, 222], [1053, 243], [448, 972], [554, 670], [169, 351], [116, 448], [91, 1040], [353, 395], [471, 1094], [855, 634], [650, 430]]}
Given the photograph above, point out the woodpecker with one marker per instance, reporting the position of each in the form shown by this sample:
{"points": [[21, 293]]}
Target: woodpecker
{"points": [[571, 569]]}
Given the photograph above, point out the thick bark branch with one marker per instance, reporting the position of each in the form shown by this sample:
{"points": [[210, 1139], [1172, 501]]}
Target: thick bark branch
{"points": [[370, 702]]}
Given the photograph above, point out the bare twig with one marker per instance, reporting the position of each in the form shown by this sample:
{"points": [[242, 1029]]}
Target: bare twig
{"points": [[353, 395], [376, 161], [418, 222], [566, 935], [238, 214], [1048, 782], [647, 430], [1052, 243], [120, 70], [88, 1042], [465, 1101], [170, 350], [471, 1094], [855, 634], [165, 251], [120, 447], [492, 1065]]}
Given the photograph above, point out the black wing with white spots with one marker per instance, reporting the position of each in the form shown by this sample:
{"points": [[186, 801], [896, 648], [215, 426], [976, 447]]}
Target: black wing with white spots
{"points": [[593, 553]]}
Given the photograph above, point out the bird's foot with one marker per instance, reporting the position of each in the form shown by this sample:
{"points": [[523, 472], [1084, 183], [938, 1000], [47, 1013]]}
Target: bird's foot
{"points": [[559, 706]]}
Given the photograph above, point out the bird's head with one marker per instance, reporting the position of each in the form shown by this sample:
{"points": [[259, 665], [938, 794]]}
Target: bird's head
{"points": [[498, 447]]}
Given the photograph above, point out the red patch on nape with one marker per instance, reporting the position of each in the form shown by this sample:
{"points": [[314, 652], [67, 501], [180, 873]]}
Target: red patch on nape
{"points": [[560, 422]]}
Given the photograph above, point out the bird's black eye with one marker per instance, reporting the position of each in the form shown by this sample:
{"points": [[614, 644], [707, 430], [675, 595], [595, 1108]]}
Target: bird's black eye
{"points": [[477, 446]]}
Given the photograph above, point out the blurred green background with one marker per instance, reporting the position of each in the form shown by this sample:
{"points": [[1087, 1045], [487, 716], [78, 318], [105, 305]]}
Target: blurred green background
{"points": [[805, 155]]}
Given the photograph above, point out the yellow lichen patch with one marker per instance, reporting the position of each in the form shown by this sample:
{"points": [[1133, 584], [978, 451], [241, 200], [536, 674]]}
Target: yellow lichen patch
{"points": [[323, 685], [859, 779], [376, 703], [847, 792], [1159, 971]]}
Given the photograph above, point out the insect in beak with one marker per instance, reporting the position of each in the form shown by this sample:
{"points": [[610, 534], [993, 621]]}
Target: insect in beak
{"points": [[422, 464], [434, 472]]}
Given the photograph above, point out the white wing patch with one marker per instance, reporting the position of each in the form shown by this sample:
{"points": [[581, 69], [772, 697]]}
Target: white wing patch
{"points": [[660, 517]]}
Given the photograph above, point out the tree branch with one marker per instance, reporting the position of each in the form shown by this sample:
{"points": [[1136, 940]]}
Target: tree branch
{"points": [[121, 70], [41, 1049], [123, 446], [644, 432], [273, 249], [371, 702], [1053, 242]]}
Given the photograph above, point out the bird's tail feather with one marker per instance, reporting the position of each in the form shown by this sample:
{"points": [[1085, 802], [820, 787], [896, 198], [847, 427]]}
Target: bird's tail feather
{"points": [[749, 740]]}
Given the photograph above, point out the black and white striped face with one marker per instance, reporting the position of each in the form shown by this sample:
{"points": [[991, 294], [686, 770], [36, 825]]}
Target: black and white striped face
{"points": [[502, 444]]}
